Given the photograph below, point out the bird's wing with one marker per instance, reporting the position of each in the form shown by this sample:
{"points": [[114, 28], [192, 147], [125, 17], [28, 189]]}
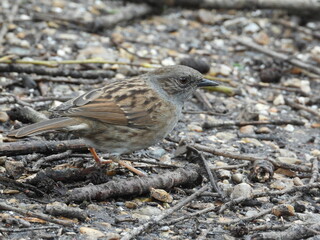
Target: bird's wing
{"points": [[115, 104]]}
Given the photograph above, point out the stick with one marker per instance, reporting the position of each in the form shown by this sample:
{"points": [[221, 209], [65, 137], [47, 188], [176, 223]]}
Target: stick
{"points": [[136, 231], [4, 206], [247, 42]]}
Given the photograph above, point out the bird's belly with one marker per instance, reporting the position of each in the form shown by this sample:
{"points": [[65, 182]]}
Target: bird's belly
{"points": [[122, 139]]}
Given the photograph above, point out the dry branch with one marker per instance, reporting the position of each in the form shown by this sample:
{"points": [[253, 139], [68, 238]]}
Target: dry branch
{"points": [[135, 185], [48, 218], [240, 4], [90, 74], [28, 147], [296, 62]]}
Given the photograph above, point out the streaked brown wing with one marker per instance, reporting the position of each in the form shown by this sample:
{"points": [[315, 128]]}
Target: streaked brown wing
{"points": [[109, 106]]}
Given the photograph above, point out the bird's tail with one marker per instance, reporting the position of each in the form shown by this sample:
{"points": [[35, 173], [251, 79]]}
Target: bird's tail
{"points": [[51, 124]]}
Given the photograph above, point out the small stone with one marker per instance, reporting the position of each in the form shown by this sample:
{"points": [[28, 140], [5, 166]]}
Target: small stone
{"points": [[225, 70], [253, 141], [194, 127], [112, 236], [224, 174], [167, 61], [131, 204], [237, 177], [4, 117], [305, 86], [289, 160], [262, 38], [261, 107], [149, 211], [283, 210], [297, 181], [263, 130], [282, 184], [14, 168], [248, 129], [226, 136], [279, 100], [287, 153], [161, 195], [251, 213], [91, 232], [164, 228], [156, 152], [289, 128], [206, 16], [315, 152], [251, 28], [242, 190]]}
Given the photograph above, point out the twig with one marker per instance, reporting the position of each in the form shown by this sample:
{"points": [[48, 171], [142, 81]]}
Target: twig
{"points": [[4, 206], [204, 100], [136, 231], [296, 62], [27, 147], [301, 107], [13, 67], [297, 27], [315, 170], [251, 158], [208, 171], [209, 125], [51, 158], [28, 229]]}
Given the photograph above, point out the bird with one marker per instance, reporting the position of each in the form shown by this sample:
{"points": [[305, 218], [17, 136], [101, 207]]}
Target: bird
{"points": [[126, 115]]}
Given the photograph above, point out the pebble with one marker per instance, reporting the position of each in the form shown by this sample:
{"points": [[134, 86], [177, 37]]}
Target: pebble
{"points": [[156, 152], [251, 28], [226, 136], [4, 117], [282, 184], [253, 141], [283, 210], [237, 177], [289, 128], [289, 160], [161, 195], [224, 174], [248, 129], [315, 152], [251, 213], [131, 204], [263, 130], [149, 211], [297, 181], [91, 233], [14, 168], [194, 127], [287, 153], [309, 217], [279, 100], [225, 70], [305, 86], [242, 190]]}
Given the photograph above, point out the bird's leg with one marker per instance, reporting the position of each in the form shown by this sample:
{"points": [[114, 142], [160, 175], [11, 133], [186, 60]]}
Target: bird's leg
{"points": [[116, 159], [96, 157]]}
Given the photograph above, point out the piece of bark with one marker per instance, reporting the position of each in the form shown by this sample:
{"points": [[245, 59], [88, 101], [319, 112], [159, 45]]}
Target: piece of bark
{"points": [[28, 147], [54, 72], [135, 185], [312, 5]]}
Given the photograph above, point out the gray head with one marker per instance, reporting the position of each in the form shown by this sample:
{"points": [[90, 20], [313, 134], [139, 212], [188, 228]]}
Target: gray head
{"points": [[178, 81]]}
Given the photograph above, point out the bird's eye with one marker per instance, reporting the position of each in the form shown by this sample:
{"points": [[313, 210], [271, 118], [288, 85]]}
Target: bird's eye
{"points": [[183, 81]]}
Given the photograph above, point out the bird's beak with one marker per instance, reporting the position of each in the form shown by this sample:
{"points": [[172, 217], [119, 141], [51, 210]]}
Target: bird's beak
{"points": [[207, 83]]}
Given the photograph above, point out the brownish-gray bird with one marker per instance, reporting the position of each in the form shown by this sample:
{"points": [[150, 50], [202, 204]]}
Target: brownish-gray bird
{"points": [[127, 115]]}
